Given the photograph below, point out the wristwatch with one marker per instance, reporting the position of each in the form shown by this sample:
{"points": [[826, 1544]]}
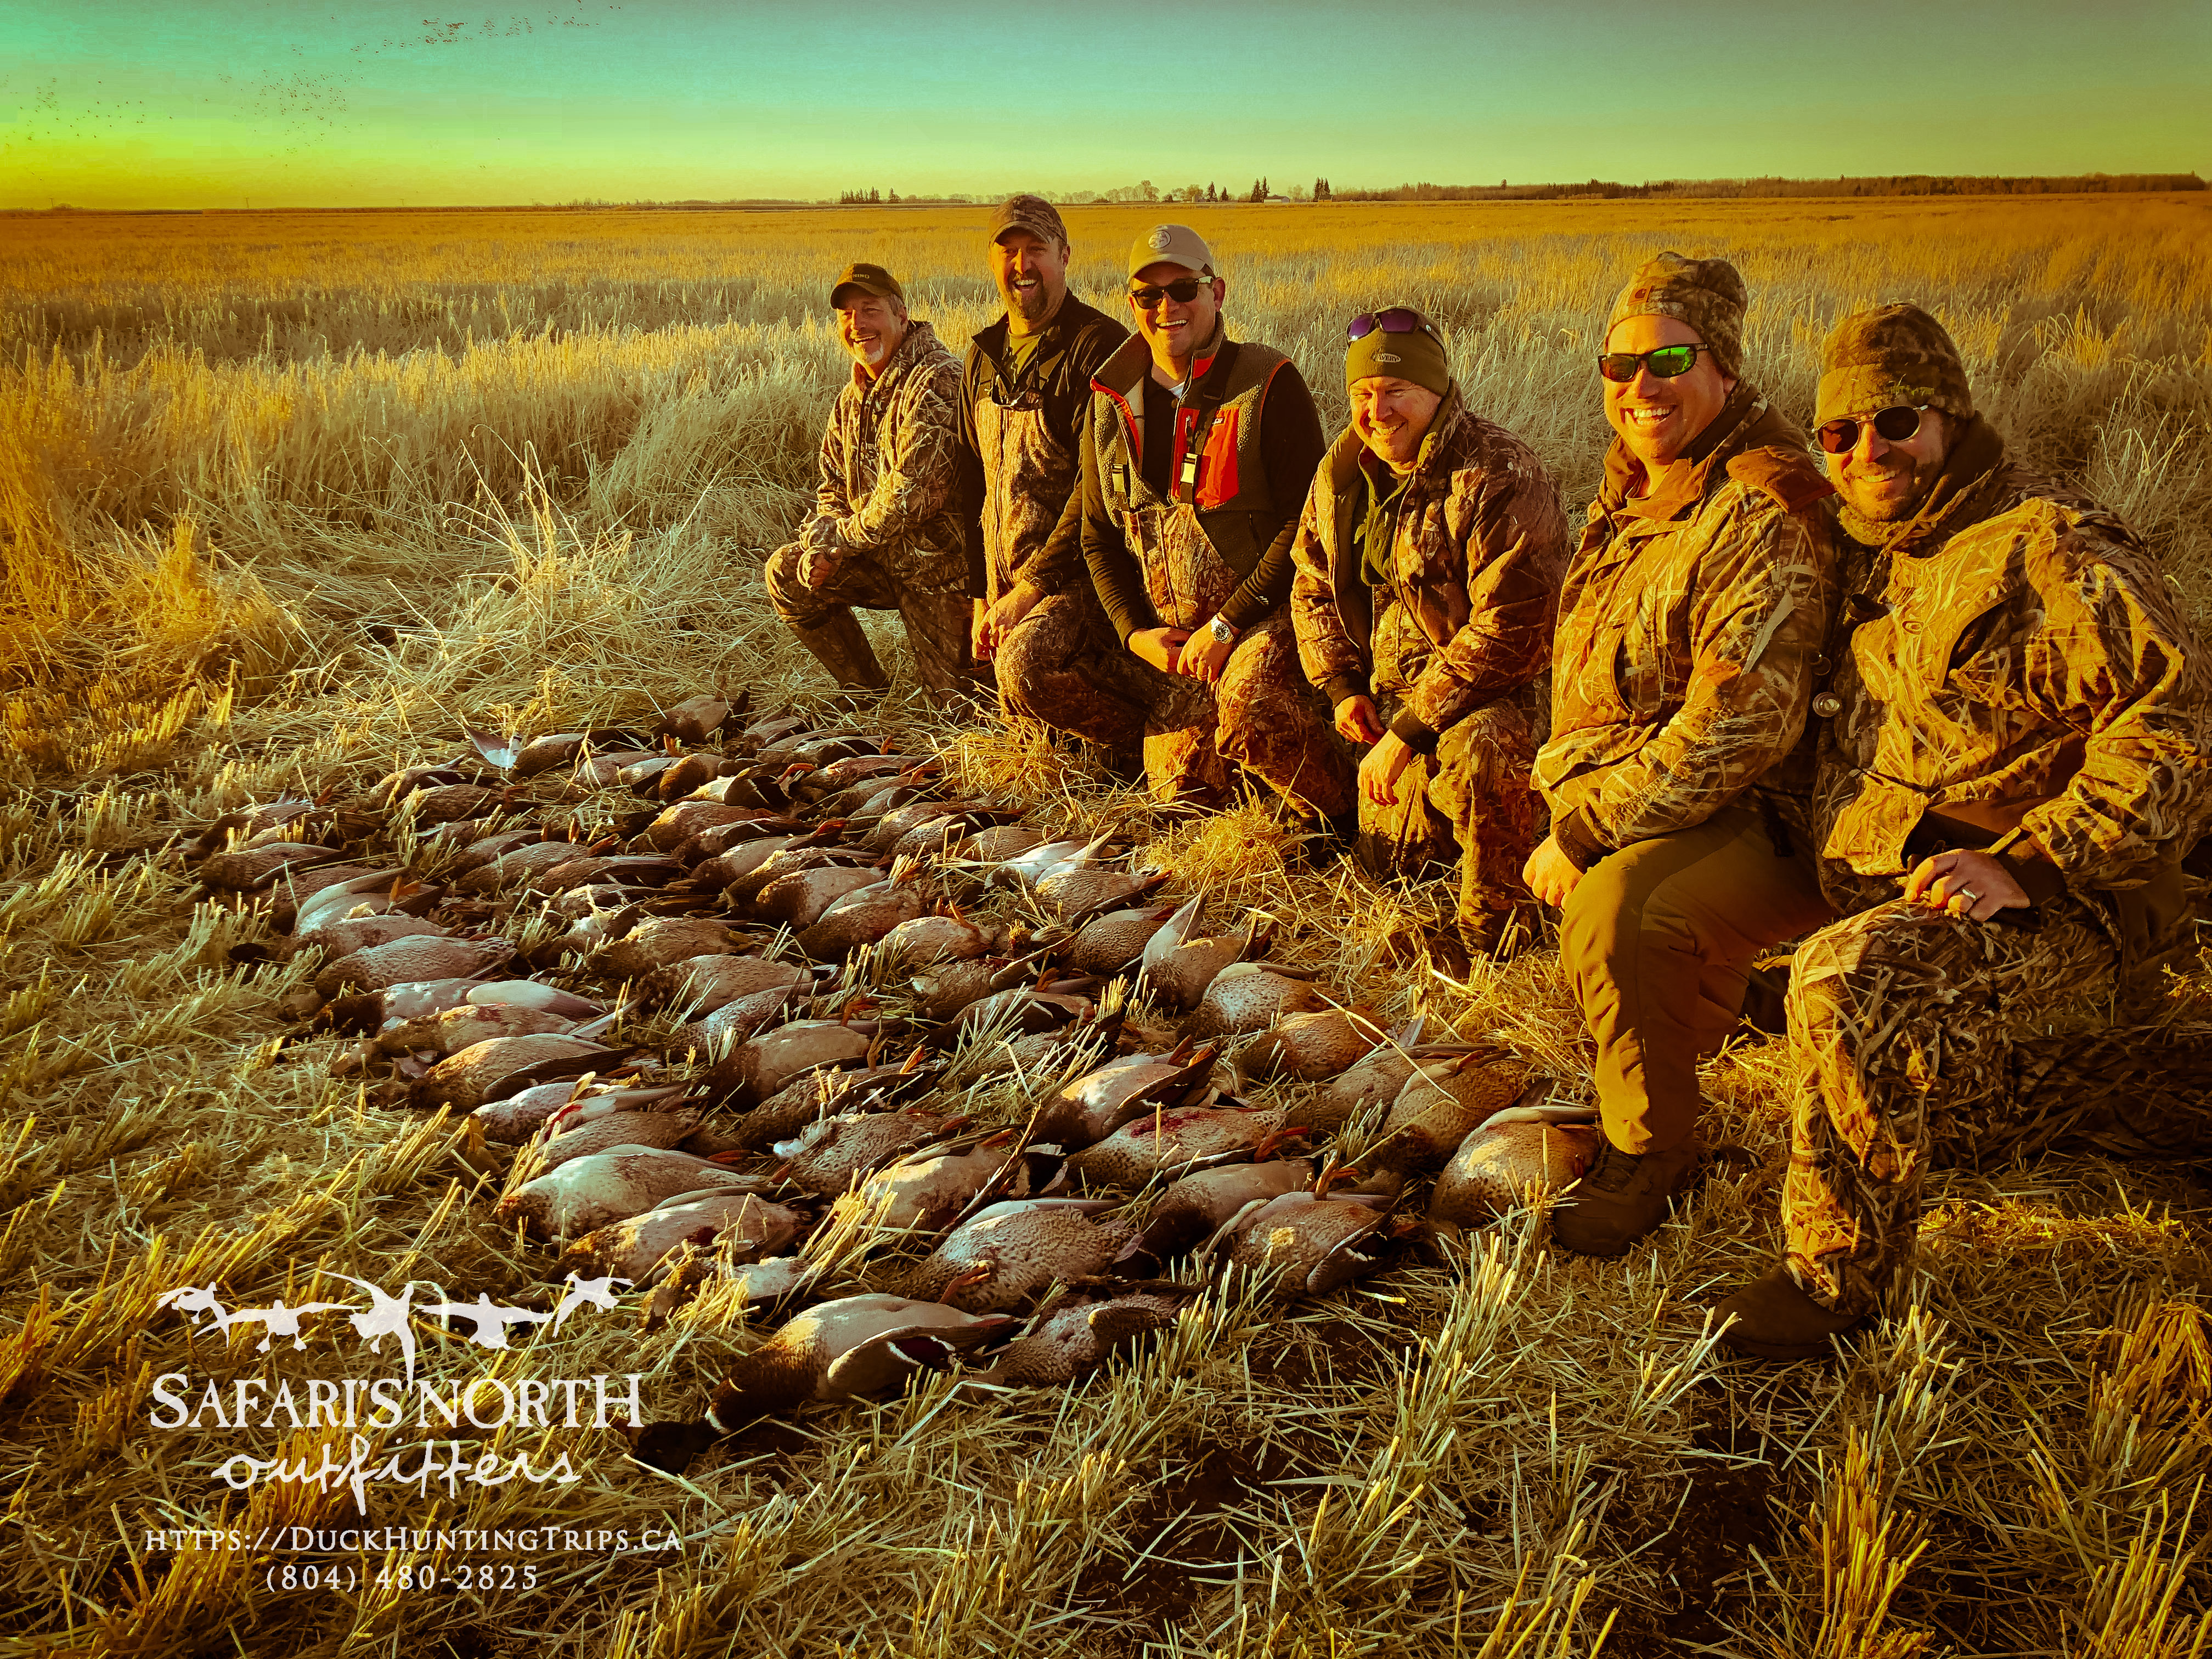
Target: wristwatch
{"points": [[1221, 630]]}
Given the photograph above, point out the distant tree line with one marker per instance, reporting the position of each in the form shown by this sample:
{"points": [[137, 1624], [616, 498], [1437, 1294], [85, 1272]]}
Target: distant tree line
{"points": [[1890, 185]]}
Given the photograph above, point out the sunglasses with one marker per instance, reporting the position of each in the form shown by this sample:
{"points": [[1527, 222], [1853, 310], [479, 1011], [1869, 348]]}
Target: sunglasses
{"points": [[1894, 424], [1183, 291], [1398, 319], [1665, 362]]}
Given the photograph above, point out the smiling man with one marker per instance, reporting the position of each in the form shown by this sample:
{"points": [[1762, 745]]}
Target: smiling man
{"points": [[2015, 755], [1024, 389], [1428, 564], [889, 529], [1197, 452], [1692, 619]]}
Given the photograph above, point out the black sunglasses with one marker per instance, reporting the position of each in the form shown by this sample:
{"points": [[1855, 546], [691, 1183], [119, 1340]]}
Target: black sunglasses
{"points": [[1894, 424], [1665, 362], [1183, 291], [1398, 319]]}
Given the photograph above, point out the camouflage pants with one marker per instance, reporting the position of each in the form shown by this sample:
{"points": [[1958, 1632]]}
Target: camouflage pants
{"points": [[1260, 715], [1920, 1040], [1060, 665], [1657, 941], [936, 620], [1470, 801]]}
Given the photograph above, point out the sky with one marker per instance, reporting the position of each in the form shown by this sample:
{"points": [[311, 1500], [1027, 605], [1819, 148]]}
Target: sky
{"points": [[231, 103]]}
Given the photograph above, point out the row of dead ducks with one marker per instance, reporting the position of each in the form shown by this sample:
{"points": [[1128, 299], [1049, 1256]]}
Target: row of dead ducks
{"points": [[834, 839]]}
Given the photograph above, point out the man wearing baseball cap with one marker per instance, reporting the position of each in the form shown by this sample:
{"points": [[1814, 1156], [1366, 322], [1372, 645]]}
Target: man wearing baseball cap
{"points": [[2015, 755], [889, 531], [1427, 579], [1197, 452], [1691, 622], [1024, 389]]}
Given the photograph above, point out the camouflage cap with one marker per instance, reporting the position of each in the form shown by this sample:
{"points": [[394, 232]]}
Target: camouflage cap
{"points": [[1894, 354], [869, 279], [1171, 245], [1031, 213], [1706, 293]]}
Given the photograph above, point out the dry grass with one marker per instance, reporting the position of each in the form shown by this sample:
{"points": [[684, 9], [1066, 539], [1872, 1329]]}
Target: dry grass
{"points": [[286, 523]]}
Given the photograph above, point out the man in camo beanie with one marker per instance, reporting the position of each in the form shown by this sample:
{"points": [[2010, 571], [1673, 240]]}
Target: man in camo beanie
{"points": [[1894, 354], [1706, 293]]}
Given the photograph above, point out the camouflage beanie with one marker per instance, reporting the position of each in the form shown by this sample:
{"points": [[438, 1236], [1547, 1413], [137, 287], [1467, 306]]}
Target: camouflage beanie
{"points": [[1706, 293], [1895, 354], [1418, 356]]}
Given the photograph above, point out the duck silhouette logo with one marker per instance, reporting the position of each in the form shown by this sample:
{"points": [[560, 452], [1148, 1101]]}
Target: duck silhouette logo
{"points": [[388, 1314]]}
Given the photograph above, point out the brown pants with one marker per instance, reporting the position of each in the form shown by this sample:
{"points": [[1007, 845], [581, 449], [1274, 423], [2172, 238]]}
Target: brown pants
{"points": [[1060, 665], [1471, 801], [1260, 715], [1656, 942], [936, 621], [1920, 1040]]}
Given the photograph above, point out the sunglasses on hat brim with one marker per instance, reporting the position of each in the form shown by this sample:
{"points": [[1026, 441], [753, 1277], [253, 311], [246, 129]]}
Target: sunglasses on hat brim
{"points": [[1665, 362], [1183, 291], [1398, 319], [1895, 424]]}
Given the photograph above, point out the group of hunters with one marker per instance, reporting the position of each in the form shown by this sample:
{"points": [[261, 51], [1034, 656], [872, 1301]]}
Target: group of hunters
{"points": [[1928, 712]]}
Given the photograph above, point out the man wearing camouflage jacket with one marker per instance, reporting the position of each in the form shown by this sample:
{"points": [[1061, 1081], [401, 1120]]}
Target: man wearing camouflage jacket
{"points": [[1427, 564], [1025, 389], [1691, 619], [2015, 755], [888, 531]]}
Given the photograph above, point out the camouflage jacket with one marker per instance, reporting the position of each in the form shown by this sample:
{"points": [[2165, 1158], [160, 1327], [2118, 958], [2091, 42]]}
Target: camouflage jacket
{"points": [[2016, 670], [890, 483], [1690, 623], [1478, 547]]}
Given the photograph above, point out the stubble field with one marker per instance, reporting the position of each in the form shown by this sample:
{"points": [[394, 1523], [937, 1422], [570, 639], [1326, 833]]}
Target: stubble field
{"points": [[285, 499]]}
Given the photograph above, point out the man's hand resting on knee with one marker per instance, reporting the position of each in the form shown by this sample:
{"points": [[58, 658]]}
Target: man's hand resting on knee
{"points": [[1551, 874]]}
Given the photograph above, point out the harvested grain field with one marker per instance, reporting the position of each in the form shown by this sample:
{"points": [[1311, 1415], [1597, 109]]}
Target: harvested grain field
{"points": [[285, 501]]}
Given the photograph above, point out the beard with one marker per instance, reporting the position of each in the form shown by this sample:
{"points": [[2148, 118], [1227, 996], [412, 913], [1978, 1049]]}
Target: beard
{"points": [[1896, 508]]}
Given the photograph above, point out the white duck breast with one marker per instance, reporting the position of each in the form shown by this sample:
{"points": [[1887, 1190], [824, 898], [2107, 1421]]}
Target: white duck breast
{"points": [[852, 1348], [1029, 868], [744, 1224], [367, 894], [586, 1194], [533, 994], [423, 997]]}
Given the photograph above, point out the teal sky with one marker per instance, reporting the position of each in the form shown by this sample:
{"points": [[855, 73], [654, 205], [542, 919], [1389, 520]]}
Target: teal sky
{"points": [[222, 102]]}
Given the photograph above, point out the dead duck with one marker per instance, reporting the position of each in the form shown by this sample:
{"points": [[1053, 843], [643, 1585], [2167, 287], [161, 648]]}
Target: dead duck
{"points": [[705, 983], [1520, 1153], [741, 1226], [587, 1194], [931, 1186], [687, 818], [1076, 895], [1376, 1080], [697, 719], [1093, 1107], [828, 1093], [1075, 1338], [511, 1122], [451, 803], [415, 956], [1316, 1241], [736, 1022], [658, 942], [851, 1348], [1004, 1256], [451, 1029], [490, 849], [1109, 942], [831, 1154], [1200, 1205], [1250, 996], [1176, 1142], [519, 866], [743, 874], [1441, 1103], [798, 900], [763, 1065], [1306, 1047], [925, 940], [862, 917], [251, 868], [1027, 1009], [500, 1067], [339, 939], [1000, 842], [367, 1012], [566, 1138], [300, 899], [1178, 969], [948, 986]]}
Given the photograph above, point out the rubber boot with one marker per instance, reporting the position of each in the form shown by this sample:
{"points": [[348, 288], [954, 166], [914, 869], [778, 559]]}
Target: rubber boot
{"points": [[1774, 1319], [840, 644], [1622, 1198]]}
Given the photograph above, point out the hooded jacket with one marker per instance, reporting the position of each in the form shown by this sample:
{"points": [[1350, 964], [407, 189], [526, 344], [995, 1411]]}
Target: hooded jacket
{"points": [[1690, 623], [1475, 551]]}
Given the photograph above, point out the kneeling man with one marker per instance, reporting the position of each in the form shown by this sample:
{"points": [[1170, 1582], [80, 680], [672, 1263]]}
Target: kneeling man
{"points": [[888, 531], [2016, 755], [1427, 579]]}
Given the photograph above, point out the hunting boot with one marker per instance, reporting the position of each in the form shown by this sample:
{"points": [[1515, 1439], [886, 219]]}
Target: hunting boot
{"points": [[1774, 1319], [1623, 1197], [840, 644]]}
